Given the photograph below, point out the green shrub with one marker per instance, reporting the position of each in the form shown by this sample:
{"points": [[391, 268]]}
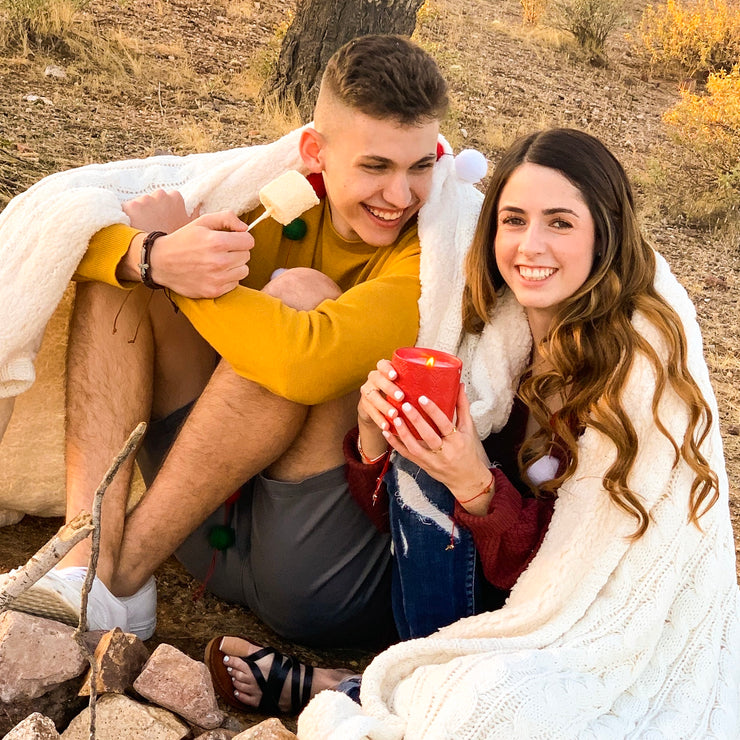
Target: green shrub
{"points": [[590, 21]]}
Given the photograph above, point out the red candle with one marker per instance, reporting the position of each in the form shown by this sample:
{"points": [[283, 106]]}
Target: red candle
{"points": [[430, 373]]}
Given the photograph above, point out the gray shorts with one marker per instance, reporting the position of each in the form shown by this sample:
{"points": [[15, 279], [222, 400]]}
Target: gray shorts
{"points": [[306, 560]]}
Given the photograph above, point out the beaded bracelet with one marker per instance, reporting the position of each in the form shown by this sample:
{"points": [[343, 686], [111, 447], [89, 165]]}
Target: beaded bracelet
{"points": [[145, 267]]}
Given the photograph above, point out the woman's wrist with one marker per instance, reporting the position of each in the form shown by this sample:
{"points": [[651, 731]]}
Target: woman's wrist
{"points": [[475, 499], [375, 453]]}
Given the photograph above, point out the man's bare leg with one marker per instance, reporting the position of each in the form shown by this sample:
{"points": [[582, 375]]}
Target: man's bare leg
{"points": [[247, 429], [111, 383]]}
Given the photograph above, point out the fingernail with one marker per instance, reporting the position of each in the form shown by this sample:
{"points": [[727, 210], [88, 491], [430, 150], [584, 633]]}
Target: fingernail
{"points": [[392, 374], [406, 407], [236, 694], [387, 434], [226, 658], [229, 669], [398, 423], [423, 400], [384, 425], [391, 413], [398, 395]]}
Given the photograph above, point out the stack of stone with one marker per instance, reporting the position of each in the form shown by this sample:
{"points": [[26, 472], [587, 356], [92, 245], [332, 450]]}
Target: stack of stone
{"points": [[45, 687]]}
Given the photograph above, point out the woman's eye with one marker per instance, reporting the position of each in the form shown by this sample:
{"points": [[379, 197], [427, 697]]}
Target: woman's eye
{"points": [[560, 224], [512, 220]]}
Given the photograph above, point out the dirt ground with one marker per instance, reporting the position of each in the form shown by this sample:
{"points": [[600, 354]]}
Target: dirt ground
{"points": [[190, 83]]}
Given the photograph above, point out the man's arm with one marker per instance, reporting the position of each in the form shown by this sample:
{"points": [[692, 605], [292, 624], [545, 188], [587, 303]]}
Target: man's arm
{"points": [[201, 257], [313, 356]]}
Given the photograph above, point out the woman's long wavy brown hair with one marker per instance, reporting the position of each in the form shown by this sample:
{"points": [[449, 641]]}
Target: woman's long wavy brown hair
{"points": [[592, 344]]}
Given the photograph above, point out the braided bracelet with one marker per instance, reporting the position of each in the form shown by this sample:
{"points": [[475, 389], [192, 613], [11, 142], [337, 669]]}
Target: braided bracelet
{"points": [[145, 267]]}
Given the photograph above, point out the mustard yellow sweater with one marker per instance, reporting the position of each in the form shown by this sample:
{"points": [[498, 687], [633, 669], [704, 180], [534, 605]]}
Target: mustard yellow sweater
{"points": [[306, 356]]}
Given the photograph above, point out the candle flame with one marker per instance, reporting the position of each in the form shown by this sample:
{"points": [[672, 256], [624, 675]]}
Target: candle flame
{"points": [[430, 362]]}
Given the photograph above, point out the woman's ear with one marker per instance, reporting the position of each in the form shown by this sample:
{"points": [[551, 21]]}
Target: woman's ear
{"points": [[311, 147]]}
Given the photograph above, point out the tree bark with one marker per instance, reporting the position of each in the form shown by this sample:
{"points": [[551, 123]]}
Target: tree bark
{"points": [[319, 28]]}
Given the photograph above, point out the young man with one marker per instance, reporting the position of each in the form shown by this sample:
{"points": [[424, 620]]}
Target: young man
{"points": [[252, 379]]}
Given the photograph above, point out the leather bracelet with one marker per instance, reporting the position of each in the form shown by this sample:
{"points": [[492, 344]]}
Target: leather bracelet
{"points": [[145, 267], [484, 491]]}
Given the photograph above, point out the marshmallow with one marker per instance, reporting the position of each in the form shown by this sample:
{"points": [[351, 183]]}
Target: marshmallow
{"points": [[288, 196]]}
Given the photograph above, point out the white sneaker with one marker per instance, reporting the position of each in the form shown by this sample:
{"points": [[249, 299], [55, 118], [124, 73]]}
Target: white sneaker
{"points": [[57, 596]]}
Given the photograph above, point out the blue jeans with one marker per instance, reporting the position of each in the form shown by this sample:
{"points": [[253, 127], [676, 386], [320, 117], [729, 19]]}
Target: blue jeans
{"points": [[433, 584]]}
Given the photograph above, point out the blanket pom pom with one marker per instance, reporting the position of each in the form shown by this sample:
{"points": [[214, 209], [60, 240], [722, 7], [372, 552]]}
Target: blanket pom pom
{"points": [[470, 165]]}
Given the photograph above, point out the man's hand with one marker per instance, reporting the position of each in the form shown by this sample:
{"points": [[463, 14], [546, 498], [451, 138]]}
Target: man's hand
{"points": [[159, 211], [202, 257]]}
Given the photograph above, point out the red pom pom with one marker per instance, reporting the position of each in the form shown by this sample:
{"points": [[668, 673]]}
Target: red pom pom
{"points": [[317, 183], [440, 150]]}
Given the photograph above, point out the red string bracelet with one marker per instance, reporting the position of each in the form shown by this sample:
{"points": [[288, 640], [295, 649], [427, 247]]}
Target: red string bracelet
{"points": [[478, 495]]}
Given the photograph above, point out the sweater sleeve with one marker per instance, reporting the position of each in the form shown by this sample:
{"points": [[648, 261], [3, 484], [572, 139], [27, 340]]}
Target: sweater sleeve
{"points": [[313, 356], [105, 250], [508, 537], [363, 481]]}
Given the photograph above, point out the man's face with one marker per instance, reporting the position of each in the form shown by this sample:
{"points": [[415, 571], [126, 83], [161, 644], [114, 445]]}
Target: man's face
{"points": [[377, 172]]}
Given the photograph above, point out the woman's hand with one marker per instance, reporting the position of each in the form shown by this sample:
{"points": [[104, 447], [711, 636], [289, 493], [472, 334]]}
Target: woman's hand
{"points": [[374, 411], [452, 455]]}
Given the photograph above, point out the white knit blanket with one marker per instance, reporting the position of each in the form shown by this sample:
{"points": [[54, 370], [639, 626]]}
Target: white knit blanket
{"points": [[602, 637], [44, 231]]}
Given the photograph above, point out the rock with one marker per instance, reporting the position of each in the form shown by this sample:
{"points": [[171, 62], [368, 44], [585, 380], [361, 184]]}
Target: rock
{"points": [[119, 718], [35, 654], [218, 734], [54, 71], [119, 657], [270, 729], [173, 680], [42, 669], [38, 99], [34, 727]]}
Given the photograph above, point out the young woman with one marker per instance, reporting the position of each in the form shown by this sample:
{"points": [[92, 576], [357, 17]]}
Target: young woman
{"points": [[598, 493]]}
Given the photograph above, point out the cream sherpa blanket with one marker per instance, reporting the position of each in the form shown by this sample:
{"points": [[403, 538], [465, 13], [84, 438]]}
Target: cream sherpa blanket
{"points": [[44, 232], [601, 637]]}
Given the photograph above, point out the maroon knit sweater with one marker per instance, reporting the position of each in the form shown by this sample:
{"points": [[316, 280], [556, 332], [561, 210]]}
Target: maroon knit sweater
{"points": [[507, 538]]}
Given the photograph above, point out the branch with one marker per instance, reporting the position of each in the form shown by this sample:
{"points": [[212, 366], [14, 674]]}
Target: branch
{"points": [[46, 558], [131, 445]]}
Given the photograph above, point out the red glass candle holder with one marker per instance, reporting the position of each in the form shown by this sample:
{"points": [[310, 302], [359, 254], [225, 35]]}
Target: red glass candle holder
{"points": [[427, 372]]}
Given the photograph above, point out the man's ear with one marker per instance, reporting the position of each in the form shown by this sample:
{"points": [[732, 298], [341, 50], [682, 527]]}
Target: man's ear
{"points": [[311, 148]]}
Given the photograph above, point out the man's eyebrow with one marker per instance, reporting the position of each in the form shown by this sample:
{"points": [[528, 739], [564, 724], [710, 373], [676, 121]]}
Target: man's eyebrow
{"points": [[377, 159]]}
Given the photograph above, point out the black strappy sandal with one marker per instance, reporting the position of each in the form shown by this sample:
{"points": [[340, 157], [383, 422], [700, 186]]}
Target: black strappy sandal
{"points": [[283, 668]]}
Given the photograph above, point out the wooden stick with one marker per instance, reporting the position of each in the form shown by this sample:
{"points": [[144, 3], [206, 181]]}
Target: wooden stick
{"points": [[268, 212], [132, 444], [46, 558]]}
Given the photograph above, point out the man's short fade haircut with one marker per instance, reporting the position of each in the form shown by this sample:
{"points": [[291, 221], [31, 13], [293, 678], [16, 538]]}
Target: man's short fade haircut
{"points": [[387, 77]]}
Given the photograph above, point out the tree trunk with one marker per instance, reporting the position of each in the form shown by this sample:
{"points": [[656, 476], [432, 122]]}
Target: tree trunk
{"points": [[319, 28]]}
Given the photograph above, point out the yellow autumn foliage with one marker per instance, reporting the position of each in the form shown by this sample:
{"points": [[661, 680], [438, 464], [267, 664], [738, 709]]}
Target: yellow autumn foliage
{"points": [[687, 37], [710, 125]]}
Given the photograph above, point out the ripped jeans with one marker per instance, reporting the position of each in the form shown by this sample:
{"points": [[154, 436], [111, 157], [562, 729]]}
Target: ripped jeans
{"points": [[433, 584]]}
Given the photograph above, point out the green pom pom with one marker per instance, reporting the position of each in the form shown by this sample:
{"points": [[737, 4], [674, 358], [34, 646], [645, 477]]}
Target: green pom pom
{"points": [[221, 537], [295, 230]]}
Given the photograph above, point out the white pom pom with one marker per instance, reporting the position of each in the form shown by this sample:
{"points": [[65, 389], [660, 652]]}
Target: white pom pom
{"points": [[471, 165], [277, 273]]}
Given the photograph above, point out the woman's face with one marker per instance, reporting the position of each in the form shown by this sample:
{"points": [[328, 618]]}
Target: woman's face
{"points": [[544, 242]]}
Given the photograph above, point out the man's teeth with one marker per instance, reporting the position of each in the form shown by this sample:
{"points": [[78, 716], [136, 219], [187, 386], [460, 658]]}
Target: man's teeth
{"points": [[385, 215], [535, 273]]}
